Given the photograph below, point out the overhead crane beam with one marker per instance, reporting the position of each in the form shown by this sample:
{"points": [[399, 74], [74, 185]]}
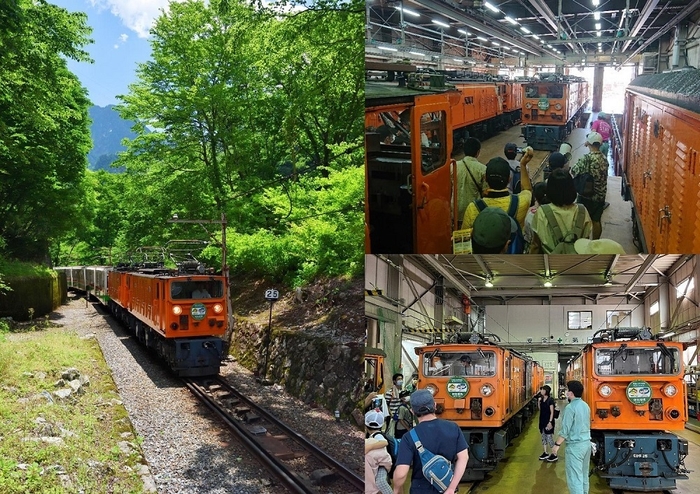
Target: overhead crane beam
{"points": [[641, 271], [488, 29], [641, 20], [691, 7], [553, 21]]}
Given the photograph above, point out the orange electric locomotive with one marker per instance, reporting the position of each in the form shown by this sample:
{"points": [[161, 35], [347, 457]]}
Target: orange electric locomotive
{"points": [[552, 107], [410, 176], [635, 389], [659, 158], [488, 390], [181, 313]]}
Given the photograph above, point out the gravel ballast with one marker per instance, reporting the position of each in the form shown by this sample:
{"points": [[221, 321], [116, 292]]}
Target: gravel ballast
{"points": [[186, 448]]}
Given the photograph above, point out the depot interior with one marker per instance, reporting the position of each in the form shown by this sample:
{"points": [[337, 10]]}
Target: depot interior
{"points": [[547, 307], [607, 42]]}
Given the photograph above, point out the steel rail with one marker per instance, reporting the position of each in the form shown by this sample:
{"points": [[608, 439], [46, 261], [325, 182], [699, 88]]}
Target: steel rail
{"points": [[329, 461], [289, 479]]}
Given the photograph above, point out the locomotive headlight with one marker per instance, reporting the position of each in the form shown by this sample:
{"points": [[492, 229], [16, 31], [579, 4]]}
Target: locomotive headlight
{"points": [[669, 390], [486, 390], [605, 390], [218, 308], [557, 106], [528, 105], [177, 310], [432, 388]]}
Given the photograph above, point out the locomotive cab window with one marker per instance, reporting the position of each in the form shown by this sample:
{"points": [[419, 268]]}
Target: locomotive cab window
{"points": [[196, 290], [630, 361], [471, 363], [433, 140]]}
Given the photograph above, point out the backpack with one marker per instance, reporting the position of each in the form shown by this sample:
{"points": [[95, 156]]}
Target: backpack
{"points": [[436, 468], [584, 184], [392, 447], [565, 243], [515, 185], [517, 241], [396, 418]]}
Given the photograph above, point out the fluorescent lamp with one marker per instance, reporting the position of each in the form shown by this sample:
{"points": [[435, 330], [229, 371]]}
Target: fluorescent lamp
{"points": [[548, 283], [408, 11], [506, 48], [416, 53], [495, 43], [535, 36], [511, 20], [387, 48], [549, 46], [524, 29], [466, 33], [491, 7], [598, 34], [596, 16], [440, 23], [458, 60], [488, 283], [542, 41], [595, 3], [597, 26], [481, 38]]}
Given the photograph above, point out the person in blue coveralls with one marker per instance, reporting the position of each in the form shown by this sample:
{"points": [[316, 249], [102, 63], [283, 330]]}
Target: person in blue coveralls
{"points": [[576, 431]]}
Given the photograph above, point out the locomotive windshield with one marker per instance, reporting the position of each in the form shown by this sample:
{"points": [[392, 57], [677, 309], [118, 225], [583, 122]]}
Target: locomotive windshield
{"points": [[544, 91], [629, 361], [469, 363], [196, 290]]}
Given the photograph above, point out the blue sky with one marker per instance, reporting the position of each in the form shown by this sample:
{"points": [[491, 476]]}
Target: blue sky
{"points": [[120, 31]]}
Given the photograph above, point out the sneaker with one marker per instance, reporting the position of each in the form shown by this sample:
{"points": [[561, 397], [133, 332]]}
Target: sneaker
{"points": [[544, 456], [552, 458]]}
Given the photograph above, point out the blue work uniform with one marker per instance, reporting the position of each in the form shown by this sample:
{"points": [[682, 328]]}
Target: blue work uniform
{"points": [[576, 430]]}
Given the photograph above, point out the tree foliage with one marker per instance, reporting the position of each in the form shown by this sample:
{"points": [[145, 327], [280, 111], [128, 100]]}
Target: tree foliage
{"points": [[259, 116], [43, 124]]}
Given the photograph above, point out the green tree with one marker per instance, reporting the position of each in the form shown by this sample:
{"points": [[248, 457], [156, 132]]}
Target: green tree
{"points": [[44, 133]]}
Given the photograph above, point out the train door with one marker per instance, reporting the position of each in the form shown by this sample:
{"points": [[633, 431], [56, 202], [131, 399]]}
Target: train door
{"points": [[509, 380], [157, 304], [431, 181]]}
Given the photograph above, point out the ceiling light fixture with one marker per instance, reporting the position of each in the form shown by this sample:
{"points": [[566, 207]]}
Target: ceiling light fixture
{"points": [[488, 283], [597, 26], [598, 34], [387, 48], [524, 29], [512, 21], [491, 7], [408, 11], [548, 282], [440, 23], [535, 36], [481, 38], [495, 43], [466, 33], [416, 53], [595, 3], [608, 281], [596, 16]]}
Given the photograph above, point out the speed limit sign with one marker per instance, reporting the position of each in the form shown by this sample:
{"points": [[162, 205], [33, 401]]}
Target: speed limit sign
{"points": [[272, 294]]}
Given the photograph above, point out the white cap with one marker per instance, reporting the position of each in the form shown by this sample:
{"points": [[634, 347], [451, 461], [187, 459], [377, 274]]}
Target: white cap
{"points": [[594, 137], [600, 246], [374, 419]]}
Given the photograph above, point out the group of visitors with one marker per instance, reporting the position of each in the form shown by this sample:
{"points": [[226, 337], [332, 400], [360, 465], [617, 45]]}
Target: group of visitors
{"points": [[503, 212], [444, 438]]}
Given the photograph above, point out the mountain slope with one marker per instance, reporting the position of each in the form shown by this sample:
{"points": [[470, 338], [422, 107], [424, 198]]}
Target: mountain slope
{"points": [[107, 129]]}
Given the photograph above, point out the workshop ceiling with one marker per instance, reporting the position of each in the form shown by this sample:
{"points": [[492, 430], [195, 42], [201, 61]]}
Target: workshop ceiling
{"points": [[514, 28], [515, 277]]}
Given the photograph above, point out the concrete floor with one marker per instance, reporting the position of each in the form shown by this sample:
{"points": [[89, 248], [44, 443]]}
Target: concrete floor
{"points": [[617, 218]]}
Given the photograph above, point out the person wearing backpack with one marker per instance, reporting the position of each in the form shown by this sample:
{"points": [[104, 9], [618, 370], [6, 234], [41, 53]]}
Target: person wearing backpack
{"points": [[378, 461], [492, 231], [558, 225], [435, 436], [516, 205], [591, 181], [470, 176], [402, 419]]}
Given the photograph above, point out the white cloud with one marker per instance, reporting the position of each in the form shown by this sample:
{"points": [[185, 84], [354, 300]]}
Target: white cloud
{"points": [[137, 15], [123, 37], [116, 47]]}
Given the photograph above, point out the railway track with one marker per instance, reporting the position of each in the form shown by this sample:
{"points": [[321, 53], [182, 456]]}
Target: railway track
{"points": [[296, 462]]}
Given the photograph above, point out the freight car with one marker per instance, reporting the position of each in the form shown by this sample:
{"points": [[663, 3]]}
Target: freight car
{"points": [[552, 108], [635, 389], [488, 390], [410, 179], [660, 165], [180, 313]]}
